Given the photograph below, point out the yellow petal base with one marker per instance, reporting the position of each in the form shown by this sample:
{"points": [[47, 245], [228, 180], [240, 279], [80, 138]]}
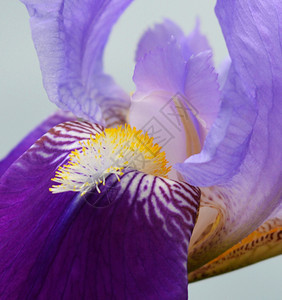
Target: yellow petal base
{"points": [[254, 248]]}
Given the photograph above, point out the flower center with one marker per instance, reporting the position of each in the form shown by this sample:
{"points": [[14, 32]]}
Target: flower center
{"points": [[110, 152]]}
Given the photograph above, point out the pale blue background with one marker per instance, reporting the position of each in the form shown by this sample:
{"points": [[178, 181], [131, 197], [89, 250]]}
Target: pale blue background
{"points": [[24, 104]]}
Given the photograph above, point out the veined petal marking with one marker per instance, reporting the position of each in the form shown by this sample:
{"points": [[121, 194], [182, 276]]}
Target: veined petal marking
{"points": [[64, 138], [175, 198], [110, 152], [117, 245], [263, 243]]}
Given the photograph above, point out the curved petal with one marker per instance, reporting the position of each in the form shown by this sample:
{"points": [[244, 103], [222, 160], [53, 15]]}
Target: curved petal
{"points": [[158, 37], [70, 38], [263, 243], [201, 88], [174, 90], [53, 120], [166, 32], [166, 70], [23, 215], [250, 97], [245, 141], [176, 100], [165, 63], [196, 42], [162, 69], [223, 71], [129, 241], [227, 142]]}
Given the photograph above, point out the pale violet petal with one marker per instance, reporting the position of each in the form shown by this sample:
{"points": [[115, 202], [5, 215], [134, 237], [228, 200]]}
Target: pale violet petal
{"points": [[242, 154], [70, 37]]}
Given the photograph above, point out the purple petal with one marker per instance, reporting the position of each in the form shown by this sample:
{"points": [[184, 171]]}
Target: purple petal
{"points": [[168, 69], [162, 69], [201, 88], [227, 142], [244, 143], [196, 42], [176, 100], [158, 37], [163, 34], [31, 138], [28, 210], [70, 37], [223, 71], [130, 241], [246, 121]]}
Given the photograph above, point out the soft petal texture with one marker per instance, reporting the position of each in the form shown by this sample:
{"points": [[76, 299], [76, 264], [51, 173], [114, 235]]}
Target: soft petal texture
{"points": [[165, 70], [166, 32], [201, 87], [263, 243], [70, 37], [177, 95], [173, 99], [129, 242], [196, 42], [35, 134], [227, 142], [169, 124], [27, 212], [158, 37], [161, 69], [245, 142], [223, 71], [169, 61]]}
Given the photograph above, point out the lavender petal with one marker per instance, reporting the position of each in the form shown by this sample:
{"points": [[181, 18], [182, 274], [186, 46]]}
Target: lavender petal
{"points": [[242, 154], [70, 37]]}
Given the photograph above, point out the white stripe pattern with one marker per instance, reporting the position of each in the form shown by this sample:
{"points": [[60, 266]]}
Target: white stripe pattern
{"points": [[55, 146], [174, 204]]}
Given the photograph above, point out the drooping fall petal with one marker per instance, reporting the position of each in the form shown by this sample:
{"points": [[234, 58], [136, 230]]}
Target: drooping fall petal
{"points": [[244, 143], [70, 38], [26, 211], [129, 241], [34, 135]]}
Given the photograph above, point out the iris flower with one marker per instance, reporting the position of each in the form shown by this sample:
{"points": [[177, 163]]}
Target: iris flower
{"points": [[90, 208]]}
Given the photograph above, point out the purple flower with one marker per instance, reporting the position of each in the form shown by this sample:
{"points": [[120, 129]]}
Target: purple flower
{"points": [[117, 222]]}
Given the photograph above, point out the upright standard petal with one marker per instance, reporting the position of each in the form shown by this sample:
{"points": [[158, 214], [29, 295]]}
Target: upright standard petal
{"points": [[196, 42], [129, 241], [70, 37], [158, 37], [164, 60], [34, 135], [177, 95], [163, 34], [243, 149]]}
